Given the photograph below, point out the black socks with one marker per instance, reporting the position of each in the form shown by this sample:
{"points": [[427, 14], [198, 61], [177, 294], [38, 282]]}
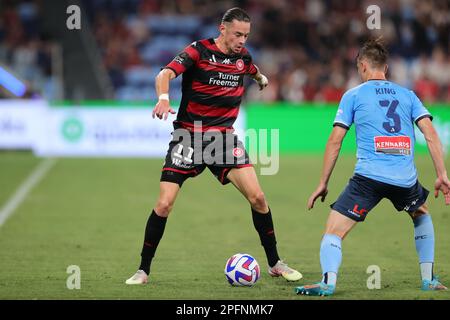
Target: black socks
{"points": [[153, 234], [264, 225], [154, 231]]}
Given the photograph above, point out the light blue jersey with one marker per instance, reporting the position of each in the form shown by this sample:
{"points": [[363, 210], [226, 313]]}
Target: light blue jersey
{"points": [[384, 114]]}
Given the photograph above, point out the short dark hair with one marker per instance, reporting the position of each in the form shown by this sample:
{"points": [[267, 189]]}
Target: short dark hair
{"points": [[235, 14], [375, 52]]}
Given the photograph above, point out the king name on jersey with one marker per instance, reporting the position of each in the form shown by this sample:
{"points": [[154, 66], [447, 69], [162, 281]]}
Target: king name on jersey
{"points": [[384, 91]]}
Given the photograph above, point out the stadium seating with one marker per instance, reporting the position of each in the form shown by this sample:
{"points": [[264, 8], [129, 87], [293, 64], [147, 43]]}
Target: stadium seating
{"points": [[306, 48]]}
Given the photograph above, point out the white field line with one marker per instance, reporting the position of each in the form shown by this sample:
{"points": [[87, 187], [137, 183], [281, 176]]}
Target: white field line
{"points": [[22, 191]]}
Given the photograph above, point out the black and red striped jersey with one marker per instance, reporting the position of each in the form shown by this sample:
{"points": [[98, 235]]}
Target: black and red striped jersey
{"points": [[212, 86]]}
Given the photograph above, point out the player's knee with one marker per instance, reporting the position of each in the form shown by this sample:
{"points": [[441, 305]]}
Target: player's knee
{"points": [[341, 233], [164, 207], [422, 210], [258, 201], [338, 230]]}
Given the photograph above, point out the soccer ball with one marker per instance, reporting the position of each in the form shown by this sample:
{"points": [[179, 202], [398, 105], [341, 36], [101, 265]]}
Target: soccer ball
{"points": [[242, 270]]}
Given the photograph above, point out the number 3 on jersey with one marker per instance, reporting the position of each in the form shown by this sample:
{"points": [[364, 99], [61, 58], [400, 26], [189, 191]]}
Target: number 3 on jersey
{"points": [[391, 105]]}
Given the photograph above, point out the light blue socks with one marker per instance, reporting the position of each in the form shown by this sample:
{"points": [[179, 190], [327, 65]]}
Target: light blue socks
{"points": [[424, 237], [330, 257], [331, 252]]}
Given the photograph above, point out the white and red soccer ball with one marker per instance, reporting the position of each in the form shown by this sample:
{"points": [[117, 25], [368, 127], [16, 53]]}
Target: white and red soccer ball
{"points": [[242, 270]]}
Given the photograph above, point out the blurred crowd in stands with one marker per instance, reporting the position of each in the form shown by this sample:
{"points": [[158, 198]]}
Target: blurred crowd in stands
{"points": [[24, 50], [307, 48]]}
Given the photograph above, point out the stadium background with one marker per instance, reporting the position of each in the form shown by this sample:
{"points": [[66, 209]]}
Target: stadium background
{"points": [[85, 97]]}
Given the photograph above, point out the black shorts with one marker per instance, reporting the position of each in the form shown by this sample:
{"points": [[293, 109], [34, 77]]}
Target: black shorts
{"points": [[362, 194], [190, 154]]}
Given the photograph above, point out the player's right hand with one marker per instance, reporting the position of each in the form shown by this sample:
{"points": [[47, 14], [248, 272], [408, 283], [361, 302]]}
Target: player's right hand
{"points": [[321, 191], [443, 185], [162, 110]]}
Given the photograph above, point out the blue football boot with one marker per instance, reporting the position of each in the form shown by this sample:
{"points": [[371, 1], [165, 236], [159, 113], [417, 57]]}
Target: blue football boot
{"points": [[318, 289]]}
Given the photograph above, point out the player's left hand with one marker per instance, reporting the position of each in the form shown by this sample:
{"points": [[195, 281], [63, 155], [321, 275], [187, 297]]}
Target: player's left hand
{"points": [[262, 81], [321, 191], [443, 185]]}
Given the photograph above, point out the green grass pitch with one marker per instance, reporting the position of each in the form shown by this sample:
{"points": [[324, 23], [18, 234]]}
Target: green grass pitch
{"points": [[92, 213]]}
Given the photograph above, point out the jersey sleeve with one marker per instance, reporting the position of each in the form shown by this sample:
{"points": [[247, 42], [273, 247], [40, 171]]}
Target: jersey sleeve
{"points": [[185, 59], [418, 110], [252, 69], [345, 113]]}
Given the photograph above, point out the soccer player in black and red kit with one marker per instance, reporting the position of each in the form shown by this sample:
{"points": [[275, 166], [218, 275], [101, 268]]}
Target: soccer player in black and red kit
{"points": [[212, 89]]}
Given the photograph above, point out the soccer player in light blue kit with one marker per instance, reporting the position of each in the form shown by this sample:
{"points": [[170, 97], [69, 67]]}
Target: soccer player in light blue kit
{"points": [[384, 115]]}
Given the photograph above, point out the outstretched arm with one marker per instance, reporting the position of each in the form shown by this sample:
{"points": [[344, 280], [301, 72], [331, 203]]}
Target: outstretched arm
{"points": [[163, 108], [329, 161], [435, 147]]}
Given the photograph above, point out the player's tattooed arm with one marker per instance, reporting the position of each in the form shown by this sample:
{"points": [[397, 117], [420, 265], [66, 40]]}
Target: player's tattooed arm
{"points": [[434, 144], [162, 108], [329, 161]]}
